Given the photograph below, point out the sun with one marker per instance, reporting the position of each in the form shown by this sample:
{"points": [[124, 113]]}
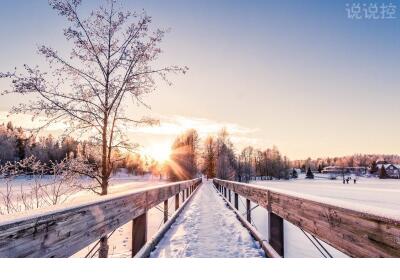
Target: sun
{"points": [[160, 152]]}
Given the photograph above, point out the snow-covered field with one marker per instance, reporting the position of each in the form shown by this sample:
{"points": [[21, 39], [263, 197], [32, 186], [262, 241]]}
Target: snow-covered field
{"points": [[207, 228], [368, 194]]}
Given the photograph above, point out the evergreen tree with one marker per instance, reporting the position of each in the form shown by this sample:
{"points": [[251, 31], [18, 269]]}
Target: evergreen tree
{"points": [[309, 174]]}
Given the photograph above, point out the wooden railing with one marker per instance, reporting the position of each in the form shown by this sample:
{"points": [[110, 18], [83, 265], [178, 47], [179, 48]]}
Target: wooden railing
{"points": [[62, 231], [355, 233]]}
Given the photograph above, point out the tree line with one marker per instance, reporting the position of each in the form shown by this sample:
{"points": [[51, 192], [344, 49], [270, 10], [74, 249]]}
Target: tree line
{"points": [[216, 156], [17, 144]]}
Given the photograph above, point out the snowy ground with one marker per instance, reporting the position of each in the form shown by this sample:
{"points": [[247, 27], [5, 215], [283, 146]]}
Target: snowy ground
{"points": [[207, 228], [368, 194]]}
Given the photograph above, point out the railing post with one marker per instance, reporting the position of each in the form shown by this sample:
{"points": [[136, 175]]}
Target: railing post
{"points": [[139, 233], [165, 211], [225, 192], [177, 201], [275, 232], [248, 210], [229, 195], [236, 201]]}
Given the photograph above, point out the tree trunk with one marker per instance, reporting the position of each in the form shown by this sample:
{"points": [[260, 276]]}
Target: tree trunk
{"points": [[104, 163], [103, 250]]}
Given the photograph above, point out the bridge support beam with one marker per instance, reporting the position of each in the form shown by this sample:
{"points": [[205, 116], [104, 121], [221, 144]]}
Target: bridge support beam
{"points": [[275, 233], [248, 210], [139, 233], [177, 201], [236, 201], [165, 211]]}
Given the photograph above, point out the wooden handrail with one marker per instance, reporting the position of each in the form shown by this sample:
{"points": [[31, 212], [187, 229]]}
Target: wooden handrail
{"points": [[63, 231], [355, 233]]}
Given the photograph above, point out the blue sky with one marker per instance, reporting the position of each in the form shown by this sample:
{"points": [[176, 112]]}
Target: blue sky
{"points": [[297, 74]]}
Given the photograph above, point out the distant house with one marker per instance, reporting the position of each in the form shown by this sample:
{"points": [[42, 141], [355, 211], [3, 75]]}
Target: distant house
{"points": [[381, 162], [392, 170], [344, 170]]}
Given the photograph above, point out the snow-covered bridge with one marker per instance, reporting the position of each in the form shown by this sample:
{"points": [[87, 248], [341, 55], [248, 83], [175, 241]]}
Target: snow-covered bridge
{"points": [[206, 223]]}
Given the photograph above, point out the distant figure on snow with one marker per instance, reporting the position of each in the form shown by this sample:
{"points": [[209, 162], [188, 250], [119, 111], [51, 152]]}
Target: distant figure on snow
{"points": [[355, 180]]}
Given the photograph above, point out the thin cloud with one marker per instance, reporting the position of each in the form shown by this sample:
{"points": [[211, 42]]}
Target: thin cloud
{"points": [[176, 124]]}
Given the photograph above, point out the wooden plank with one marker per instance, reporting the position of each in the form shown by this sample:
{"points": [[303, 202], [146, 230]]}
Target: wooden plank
{"points": [[355, 233], [65, 232], [61, 231], [139, 233], [236, 201], [275, 233]]}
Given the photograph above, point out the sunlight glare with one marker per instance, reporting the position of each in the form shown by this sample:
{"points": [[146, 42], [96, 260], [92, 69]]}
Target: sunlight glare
{"points": [[160, 152]]}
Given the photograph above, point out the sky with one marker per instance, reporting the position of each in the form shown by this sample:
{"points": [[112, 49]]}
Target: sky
{"points": [[300, 75]]}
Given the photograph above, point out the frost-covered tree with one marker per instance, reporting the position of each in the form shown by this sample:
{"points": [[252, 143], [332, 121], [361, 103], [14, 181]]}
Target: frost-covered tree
{"points": [[111, 63]]}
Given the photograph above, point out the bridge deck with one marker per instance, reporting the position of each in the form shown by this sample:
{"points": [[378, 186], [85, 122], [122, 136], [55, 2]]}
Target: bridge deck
{"points": [[207, 228]]}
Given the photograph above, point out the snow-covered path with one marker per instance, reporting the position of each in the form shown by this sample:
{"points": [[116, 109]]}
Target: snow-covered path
{"points": [[207, 228]]}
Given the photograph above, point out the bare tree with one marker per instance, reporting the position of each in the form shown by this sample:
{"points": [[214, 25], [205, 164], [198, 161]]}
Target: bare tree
{"points": [[225, 161], [112, 59]]}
